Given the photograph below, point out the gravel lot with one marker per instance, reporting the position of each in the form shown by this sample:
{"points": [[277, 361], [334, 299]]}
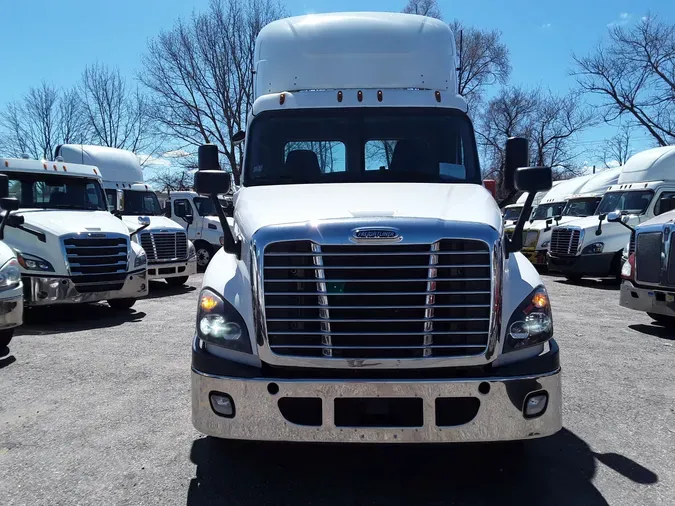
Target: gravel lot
{"points": [[95, 409]]}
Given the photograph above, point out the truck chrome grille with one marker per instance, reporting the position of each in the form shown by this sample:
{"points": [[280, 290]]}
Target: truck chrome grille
{"points": [[165, 246], [648, 257], [564, 241], [373, 301], [97, 264]]}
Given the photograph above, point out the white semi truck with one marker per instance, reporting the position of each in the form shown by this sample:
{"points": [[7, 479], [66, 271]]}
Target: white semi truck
{"points": [[592, 246], [366, 292], [11, 287], [171, 256], [69, 247], [198, 215]]}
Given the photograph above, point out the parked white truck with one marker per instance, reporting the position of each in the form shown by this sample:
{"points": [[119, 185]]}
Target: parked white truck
{"points": [[11, 287], [68, 245], [356, 298], [592, 246], [199, 217], [171, 256]]}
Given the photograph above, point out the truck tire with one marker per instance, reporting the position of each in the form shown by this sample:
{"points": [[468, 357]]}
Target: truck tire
{"points": [[6, 337], [666, 321], [121, 303], [204, 253], [179, 281]]}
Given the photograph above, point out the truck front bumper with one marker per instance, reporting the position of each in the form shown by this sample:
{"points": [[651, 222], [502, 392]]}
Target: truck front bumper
{"points": [[44, 291], [599, 265], [650, 300], [487, 407], [163, 270], [11, 308]]}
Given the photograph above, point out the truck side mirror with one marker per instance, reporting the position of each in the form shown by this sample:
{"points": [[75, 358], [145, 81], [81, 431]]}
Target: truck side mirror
{"points": [[4, 186], [208, 182], [119, 205], [617, 217], [9, 203], [189, 219], [516, 156], [167, 210], [533, 179], [238, 138]]}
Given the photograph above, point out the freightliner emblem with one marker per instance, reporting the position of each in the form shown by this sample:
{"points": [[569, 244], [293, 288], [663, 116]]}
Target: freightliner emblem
{"points": [[375, 234]]}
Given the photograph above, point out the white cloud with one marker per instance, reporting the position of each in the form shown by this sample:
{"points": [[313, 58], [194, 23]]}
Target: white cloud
{"points": [[546, 26], [623, 18], [177, 153]]}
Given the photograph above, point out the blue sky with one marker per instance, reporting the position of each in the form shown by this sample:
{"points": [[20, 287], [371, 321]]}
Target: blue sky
{"points": [[54, 40]]}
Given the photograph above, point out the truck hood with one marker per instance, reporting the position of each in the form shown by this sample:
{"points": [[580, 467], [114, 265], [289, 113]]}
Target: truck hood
{"points": [[260, 206], [156, 223], [541, 224], [5, 253], [661, 218], [64, 222], [609, 230]]}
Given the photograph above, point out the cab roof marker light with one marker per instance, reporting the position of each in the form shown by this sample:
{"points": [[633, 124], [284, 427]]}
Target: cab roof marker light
{"points": [[359, 96], [438, 96], [339, 96], [379, 95], [282, 99]]}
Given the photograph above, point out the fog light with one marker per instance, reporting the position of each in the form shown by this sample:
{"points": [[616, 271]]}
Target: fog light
{"points": [[535, 404], [222, 404]]}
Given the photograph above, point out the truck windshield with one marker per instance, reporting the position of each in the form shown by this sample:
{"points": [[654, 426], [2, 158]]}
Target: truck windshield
{"points": [[512, 213], [581, 207], [546, 211], [632, 202], [140, 203], [55, 191], [205, 206], [361, 145]]}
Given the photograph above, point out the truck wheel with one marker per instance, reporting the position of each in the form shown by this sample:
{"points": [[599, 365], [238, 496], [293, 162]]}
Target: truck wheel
{"points": [[204, 253], [121, 303], [666, 321], [6, 337], [179, 281]]}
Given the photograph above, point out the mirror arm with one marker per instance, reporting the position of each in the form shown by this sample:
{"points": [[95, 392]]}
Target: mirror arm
{"points": [[142, 227], [2, 225], [632, 229], [230, 243], [599, 229], [516, 242], [509, 199]]}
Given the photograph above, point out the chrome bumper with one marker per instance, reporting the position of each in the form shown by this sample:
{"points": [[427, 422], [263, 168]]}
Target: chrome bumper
{"points": [[163, 270], [46, 291], [649, 300], [11, 308], [258, 416]]}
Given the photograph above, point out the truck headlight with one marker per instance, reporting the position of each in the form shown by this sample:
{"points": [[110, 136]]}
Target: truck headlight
{"points": [[545, 244], [192, 252], [219, 323], [530, 240], [141, 259], [531, 323], [33, 263], [593, 249], [10, 274]]}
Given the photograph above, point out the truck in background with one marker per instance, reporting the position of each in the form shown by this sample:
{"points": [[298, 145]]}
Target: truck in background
{"points": [[648, 275], [70, 248], [198, 215], [366, 292], [511, 212], [592, 246], [171, 256], [11, 287]]}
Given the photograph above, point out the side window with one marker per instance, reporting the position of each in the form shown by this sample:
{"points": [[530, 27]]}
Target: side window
{"points": [[112, 199], [15, 189], [182, 208], [315, 158], [665, 203], [45, 193]]}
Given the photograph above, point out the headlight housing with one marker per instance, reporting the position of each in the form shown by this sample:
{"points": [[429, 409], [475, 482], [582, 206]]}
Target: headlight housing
{"points": [[192, 252], [545, 244], [219, 323], [10, 274], [530, 239], [531, 323], [141, 259], [33, 263], [593, 249]]}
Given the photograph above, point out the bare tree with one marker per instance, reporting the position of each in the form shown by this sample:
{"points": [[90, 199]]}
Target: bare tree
{"points": [[201, 74], [483, 60], [634, 74], [618, 149], [423, 8], [44, 118], [117, 113], [170, 179]]}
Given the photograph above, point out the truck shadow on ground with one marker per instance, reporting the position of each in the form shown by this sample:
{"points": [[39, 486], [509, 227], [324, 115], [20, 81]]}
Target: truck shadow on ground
{"points": [[73, 318], [552, 471], [160, 289], [5, 357], [655, 330], [598, 284]]}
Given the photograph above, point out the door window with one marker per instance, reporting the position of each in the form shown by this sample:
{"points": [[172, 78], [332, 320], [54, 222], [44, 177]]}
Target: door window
{"points": [[182, 208], [665, 203]]}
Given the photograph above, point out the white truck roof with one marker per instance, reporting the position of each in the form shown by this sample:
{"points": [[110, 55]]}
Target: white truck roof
{"points": [[656, 164], [537, 198], [599, 183], [355, 50], [116, 165], [60, 168], [561, 191]]}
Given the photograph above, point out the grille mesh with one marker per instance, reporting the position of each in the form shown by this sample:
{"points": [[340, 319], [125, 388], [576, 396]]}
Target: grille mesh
{"points": [[97, 264], [165, 246], [394, 301], [564, 241]]}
